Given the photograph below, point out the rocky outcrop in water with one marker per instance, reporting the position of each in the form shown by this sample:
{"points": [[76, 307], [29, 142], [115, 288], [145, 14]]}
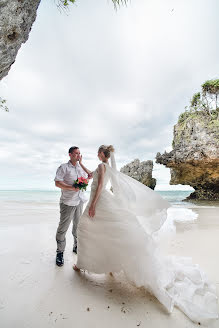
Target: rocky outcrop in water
{"points": [[16, 19], [194, 159], [141, 171]]}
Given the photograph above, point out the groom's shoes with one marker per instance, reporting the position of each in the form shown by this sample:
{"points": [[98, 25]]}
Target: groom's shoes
{"points": [[59, 259], [75, 249]]}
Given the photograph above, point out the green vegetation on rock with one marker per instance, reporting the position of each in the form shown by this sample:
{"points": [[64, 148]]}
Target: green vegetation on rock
{"points": [[196, 100], [204, 102], [211, 87], [3, 105], [65, 3]]}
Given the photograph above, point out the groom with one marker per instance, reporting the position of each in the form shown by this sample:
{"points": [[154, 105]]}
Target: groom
{"points": [[71, 201]]}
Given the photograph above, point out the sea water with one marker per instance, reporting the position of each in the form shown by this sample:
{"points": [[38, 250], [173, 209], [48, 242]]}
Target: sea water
{"points": [[37, 205], [51, 198]]}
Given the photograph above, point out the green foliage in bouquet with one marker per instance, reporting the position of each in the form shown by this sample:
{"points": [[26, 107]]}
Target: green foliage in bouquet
{"points": [[81, 183]]}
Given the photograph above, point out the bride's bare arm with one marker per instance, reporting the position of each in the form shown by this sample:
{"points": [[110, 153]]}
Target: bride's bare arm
{"points": [[101, 172], [90, 173]]}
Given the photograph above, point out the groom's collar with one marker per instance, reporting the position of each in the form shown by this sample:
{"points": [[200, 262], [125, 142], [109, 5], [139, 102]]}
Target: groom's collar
{"points": [[70, 164]]}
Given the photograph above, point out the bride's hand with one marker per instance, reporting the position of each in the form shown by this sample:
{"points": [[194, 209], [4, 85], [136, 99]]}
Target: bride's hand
{"points": [[90, 175], [92, 211], [80, 159]]}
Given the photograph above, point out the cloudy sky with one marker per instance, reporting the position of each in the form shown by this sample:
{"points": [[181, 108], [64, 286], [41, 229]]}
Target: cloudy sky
{"points": [[99, 76]]}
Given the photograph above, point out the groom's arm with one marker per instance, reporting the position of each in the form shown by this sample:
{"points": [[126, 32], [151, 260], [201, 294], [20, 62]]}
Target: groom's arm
{"points": [[59, 179], [65, 186]]}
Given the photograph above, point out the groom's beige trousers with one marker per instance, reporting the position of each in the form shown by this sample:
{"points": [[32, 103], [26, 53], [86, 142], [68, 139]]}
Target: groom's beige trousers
{"points": [[67, 214]]}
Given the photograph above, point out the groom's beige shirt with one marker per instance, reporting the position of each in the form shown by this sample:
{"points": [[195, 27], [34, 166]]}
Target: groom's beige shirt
{"points": [[68, 173]]}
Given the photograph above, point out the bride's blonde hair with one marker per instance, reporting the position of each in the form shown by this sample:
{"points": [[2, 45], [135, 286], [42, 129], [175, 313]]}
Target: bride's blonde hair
{"points": [[106, 150]]}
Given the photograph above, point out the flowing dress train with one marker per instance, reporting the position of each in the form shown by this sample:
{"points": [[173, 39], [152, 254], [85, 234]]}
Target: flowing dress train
{"points": [[120, 238]]}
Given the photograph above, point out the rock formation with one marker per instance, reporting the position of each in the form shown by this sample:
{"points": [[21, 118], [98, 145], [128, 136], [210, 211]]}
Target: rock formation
{"points": [[141, 171], [194, 159], [16, 19]]}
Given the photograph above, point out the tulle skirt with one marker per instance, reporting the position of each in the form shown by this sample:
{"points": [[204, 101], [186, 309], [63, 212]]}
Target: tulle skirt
{"points": [[115, 240]]}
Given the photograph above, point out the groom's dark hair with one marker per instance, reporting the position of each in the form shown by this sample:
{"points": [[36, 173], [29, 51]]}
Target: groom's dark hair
{"points": [[72, 149]]}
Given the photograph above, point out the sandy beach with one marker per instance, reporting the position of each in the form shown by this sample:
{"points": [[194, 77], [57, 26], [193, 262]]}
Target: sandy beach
{"points": [[36, 293]]}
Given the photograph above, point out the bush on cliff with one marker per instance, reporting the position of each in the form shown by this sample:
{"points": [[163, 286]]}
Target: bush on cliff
{"points": [[204, 102]]}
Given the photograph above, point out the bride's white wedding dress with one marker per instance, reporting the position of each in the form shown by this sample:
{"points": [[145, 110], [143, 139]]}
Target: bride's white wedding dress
{"points": [[120, 238]]}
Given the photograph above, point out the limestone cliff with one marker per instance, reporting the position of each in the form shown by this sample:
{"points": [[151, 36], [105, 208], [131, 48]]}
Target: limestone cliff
{"points": [[194, 159], [141, 171], [16, 19]]}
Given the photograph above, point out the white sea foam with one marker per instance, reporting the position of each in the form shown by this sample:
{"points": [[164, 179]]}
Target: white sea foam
{"points": [[181, 214]]}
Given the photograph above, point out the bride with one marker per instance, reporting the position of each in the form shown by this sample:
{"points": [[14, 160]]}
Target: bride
{"points": [[116, 233]]}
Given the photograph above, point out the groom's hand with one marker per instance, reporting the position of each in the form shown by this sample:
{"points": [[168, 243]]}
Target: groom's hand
{"points": [[65, 186], [75, 189]]}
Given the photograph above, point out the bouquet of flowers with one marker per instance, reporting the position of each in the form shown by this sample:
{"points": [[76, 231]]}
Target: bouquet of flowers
{"points": [[80, 183]]}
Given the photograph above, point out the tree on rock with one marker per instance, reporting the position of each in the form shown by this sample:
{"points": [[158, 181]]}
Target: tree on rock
{"points": [[210, 91], [205, 101]]}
